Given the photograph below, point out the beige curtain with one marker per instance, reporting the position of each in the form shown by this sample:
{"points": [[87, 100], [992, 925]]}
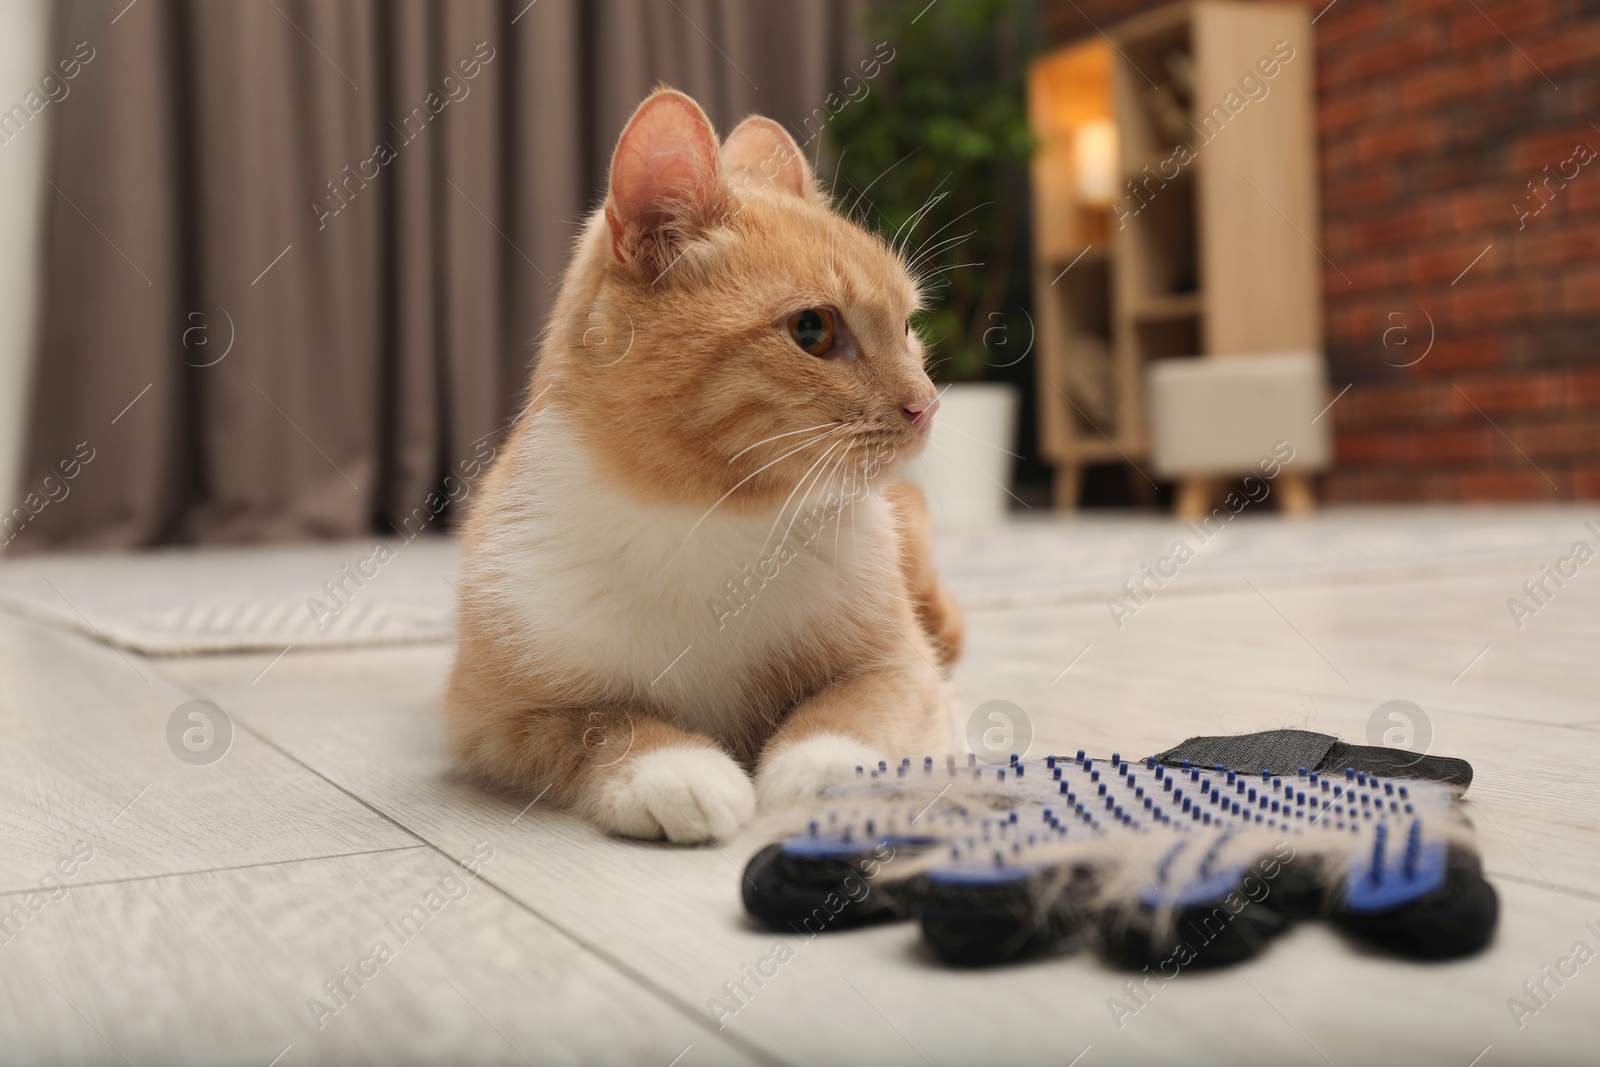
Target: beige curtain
{"points": [[299, 251]]}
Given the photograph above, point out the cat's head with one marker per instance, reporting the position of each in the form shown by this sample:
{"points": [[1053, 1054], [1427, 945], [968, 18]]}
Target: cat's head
{"points": [[723, 331]]}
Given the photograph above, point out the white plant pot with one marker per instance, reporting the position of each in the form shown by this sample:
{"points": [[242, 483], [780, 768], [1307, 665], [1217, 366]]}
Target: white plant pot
{"points": [[966, 469]]}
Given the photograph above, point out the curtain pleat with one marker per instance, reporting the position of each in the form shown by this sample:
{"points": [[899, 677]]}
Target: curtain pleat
{"points": [[300, 252]]}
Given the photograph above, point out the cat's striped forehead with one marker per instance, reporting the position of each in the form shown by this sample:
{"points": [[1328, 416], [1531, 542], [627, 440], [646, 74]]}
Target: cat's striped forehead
{"points": [[821, 253]]}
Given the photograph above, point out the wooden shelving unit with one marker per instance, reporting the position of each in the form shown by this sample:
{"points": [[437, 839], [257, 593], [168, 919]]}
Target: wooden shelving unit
{"points": [[1204, 247]]}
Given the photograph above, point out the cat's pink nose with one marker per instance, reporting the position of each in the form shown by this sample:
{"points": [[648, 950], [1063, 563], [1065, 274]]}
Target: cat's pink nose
{"points": [[921, 412]]}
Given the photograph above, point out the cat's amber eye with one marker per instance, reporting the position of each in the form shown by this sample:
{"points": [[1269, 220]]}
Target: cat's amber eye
{"points": [[813, 329]]}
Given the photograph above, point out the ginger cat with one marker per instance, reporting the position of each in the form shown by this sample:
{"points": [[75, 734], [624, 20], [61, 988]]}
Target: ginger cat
{"points": [[658, 593]]}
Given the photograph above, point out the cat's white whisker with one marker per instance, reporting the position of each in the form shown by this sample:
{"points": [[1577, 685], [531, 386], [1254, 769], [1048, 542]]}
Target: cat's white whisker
{"points": [[800, 448], [981, 441], [942, 270], [931, 253], [922, 213], [798, 508], [823, 483], [785, 505], [917, 255], [862, 195], [905, 600], [776, 436], [824, 478], [980, 470], [838, 523], [934, 198], [837, 167]]}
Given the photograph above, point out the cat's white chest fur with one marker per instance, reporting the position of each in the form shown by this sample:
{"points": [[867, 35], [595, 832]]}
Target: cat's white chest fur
{"points": [[675, 608]]}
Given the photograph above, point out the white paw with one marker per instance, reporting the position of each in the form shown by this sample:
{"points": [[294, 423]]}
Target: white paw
{"points": [[684, 794], [803, 770]]}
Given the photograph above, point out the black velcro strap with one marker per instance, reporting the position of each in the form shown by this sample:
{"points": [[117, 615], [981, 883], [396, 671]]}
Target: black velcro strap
{"points": [[1401, 763], [1286, 751], [1283, 751]]}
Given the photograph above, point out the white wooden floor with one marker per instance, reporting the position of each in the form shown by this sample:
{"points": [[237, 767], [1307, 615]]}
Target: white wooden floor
{"points": [[217, 900]]}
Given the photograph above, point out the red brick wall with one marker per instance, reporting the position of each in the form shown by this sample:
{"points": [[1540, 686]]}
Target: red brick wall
{"points": [[1430, 125]]}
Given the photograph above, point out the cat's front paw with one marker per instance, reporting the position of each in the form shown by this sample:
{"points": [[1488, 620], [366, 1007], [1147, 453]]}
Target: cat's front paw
{"points": [[802, 770], [685, 794]]}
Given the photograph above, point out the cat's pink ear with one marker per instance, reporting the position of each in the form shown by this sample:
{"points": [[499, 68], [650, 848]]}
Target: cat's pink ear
{"points": [[666, 180], [760, 150]]}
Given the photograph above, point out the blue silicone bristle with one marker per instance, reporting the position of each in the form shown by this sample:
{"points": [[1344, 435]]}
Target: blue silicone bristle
{"points": [[1380, 885]]}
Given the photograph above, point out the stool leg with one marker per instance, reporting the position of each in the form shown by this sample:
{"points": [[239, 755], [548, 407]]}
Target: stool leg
{"points": [[1195, 494], [1295, 495], [1068, 486]]}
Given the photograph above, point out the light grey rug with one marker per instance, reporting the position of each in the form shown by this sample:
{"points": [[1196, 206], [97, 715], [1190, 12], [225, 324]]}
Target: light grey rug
{"points": [[175, 602], [183, 601]]}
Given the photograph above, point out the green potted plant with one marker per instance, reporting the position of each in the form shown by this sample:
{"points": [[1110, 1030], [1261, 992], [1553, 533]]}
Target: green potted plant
{"points": [[935, 156]]}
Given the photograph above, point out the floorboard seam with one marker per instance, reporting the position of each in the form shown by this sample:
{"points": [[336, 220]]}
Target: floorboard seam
{"points": [[643, 981], [223, 870], [1543, 883]]}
